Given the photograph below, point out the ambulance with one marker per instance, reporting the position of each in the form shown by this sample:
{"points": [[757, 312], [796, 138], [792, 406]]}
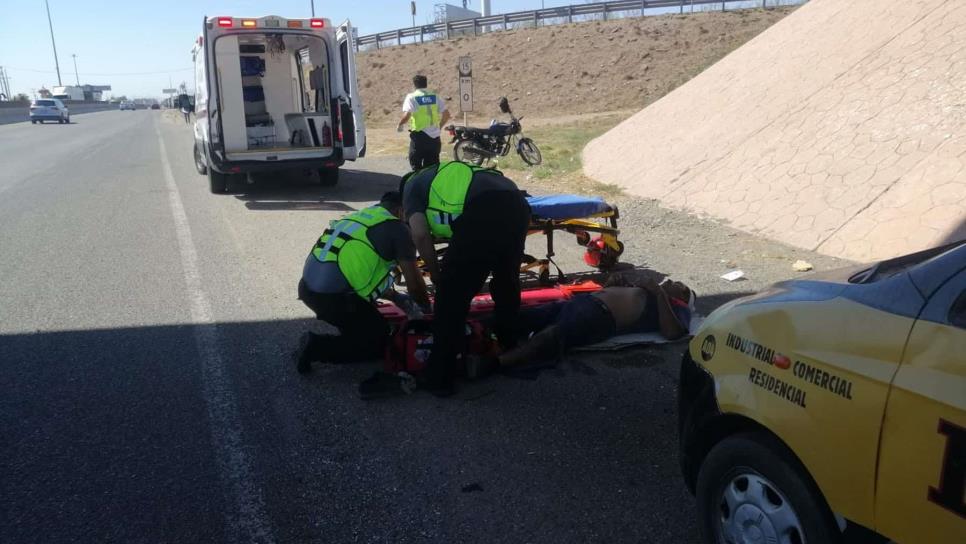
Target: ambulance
{"points": [[832, 408], [275, 94]]}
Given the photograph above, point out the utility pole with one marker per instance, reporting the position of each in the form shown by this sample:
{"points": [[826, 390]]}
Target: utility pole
{"points": [[313, 8], [4, 85], [76, 77], [53, 43]]}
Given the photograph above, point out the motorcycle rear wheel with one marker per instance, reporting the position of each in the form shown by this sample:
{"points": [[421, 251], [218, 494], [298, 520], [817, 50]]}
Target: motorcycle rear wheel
{"points": [[467, 151], [529, 152]]}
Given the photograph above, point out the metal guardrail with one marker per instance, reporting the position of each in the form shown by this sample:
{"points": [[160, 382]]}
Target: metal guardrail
{"points": [[465, 26]]}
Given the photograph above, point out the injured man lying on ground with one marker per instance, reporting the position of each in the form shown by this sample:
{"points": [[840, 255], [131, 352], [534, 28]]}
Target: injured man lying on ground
{"points": [[624, 306]]}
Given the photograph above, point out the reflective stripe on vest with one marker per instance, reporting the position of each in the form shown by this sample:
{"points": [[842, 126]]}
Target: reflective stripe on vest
{"points": [[426, 113], [347, 244], [447, 195]]}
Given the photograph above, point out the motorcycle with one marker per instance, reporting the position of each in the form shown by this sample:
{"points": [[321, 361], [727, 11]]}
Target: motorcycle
{"points": [[479, 145]]}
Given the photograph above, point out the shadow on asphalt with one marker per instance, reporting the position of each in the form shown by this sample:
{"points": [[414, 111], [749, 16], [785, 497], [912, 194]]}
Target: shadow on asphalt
{"points": [[104, 422], [301, 190]]}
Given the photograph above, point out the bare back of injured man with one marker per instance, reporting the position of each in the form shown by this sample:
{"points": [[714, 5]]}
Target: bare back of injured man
{"points": [[590, 318]]}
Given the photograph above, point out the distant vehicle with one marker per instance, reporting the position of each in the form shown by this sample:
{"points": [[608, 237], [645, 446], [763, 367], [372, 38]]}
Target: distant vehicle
{"points": [[155, 107], [838, 397], [48, 109], [274, 94], [68, 92], [127, 106]]}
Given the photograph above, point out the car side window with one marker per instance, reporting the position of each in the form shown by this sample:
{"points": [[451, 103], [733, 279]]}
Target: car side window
{"points": [[957, 313]]}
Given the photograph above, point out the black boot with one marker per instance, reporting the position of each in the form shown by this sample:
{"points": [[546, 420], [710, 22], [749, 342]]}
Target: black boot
{"points": [[437, 379]]}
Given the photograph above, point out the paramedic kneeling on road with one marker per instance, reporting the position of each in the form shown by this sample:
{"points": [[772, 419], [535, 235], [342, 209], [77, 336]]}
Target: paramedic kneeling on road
{"points": [[590, 318], [349, 266], [485, 217], [426, 113]]}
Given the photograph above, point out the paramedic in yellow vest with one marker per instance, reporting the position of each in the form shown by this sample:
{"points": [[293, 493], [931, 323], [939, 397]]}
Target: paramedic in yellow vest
{"points": [[350, 266], [484, 216], [426, 114]]}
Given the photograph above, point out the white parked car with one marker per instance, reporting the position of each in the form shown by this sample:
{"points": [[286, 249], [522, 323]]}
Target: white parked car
{"points": [[48, 109], [128, 106]]}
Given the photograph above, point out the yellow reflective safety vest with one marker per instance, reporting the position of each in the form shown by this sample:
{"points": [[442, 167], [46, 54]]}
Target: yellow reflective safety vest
{"points": [[346, 243], [447, 195], [426, 113]]}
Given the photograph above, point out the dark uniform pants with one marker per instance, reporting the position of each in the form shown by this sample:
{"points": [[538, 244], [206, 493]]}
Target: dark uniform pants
{"points": [[364, 333], [423, 150], [489, 237]]}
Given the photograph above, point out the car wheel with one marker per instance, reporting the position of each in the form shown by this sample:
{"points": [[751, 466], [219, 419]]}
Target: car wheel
{"points": [[32, 122], [201, 165], [328, 177], [750, 488], [218, 182]]}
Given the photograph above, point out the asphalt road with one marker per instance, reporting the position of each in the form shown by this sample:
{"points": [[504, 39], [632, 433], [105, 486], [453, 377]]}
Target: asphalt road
{"points": [[147, 394]]}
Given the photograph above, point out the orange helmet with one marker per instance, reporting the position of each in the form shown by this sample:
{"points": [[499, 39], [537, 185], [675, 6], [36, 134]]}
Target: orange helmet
{"points": [[595, 248]]}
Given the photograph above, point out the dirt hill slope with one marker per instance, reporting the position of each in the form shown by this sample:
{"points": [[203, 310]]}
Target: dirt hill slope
{"points": [[852, 144], [564, 69]]}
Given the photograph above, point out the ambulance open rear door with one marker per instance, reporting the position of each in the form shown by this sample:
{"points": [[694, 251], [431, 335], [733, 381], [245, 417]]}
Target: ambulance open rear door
{"points": [[351, 115]]}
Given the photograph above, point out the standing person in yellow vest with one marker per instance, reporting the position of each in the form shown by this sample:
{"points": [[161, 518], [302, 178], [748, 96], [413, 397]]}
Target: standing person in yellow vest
{"points": [[348, 268], [426, 114], [484, 216]]}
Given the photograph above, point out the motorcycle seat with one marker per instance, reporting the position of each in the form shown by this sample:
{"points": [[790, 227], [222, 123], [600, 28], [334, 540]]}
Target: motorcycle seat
{"points": [[471, 130]]}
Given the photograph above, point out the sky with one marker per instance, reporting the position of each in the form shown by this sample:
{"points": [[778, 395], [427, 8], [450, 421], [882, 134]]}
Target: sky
{"points": [[137, 46]]}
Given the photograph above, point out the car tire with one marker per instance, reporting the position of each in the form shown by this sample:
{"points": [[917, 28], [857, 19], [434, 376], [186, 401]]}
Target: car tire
{"points": [[218, 182], [753, 483], [201, 164], [328, 177], [32, 122]]}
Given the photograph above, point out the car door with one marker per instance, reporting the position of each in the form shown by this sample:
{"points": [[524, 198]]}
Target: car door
{"points": [[350, 102], [922, 461]]}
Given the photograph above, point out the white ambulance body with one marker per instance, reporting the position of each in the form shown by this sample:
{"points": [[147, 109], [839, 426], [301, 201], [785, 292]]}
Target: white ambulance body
{"points": [[275, 94]]}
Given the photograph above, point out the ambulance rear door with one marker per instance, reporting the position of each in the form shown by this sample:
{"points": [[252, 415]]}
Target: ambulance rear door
{"points": [[350, 111]]}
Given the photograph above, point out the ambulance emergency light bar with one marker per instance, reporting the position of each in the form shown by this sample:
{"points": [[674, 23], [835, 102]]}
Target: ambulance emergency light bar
{"points": [[268, 22]]}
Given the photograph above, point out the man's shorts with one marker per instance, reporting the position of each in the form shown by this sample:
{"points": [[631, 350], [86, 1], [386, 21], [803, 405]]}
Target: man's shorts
{"points": [[580, 321]]}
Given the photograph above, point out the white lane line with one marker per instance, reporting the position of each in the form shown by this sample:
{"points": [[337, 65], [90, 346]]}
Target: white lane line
{"points": [[247, 520]]}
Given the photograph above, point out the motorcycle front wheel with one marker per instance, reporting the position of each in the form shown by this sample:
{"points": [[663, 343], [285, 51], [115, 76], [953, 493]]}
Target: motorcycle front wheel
{"points": [[467, 151], [529, 152]]}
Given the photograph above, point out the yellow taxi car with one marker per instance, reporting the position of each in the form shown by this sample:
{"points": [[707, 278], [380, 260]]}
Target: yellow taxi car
{"points": [[832, 401]]}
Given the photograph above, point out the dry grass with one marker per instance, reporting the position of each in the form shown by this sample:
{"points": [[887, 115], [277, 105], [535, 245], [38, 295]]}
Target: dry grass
{"points": [[563, 70]]}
